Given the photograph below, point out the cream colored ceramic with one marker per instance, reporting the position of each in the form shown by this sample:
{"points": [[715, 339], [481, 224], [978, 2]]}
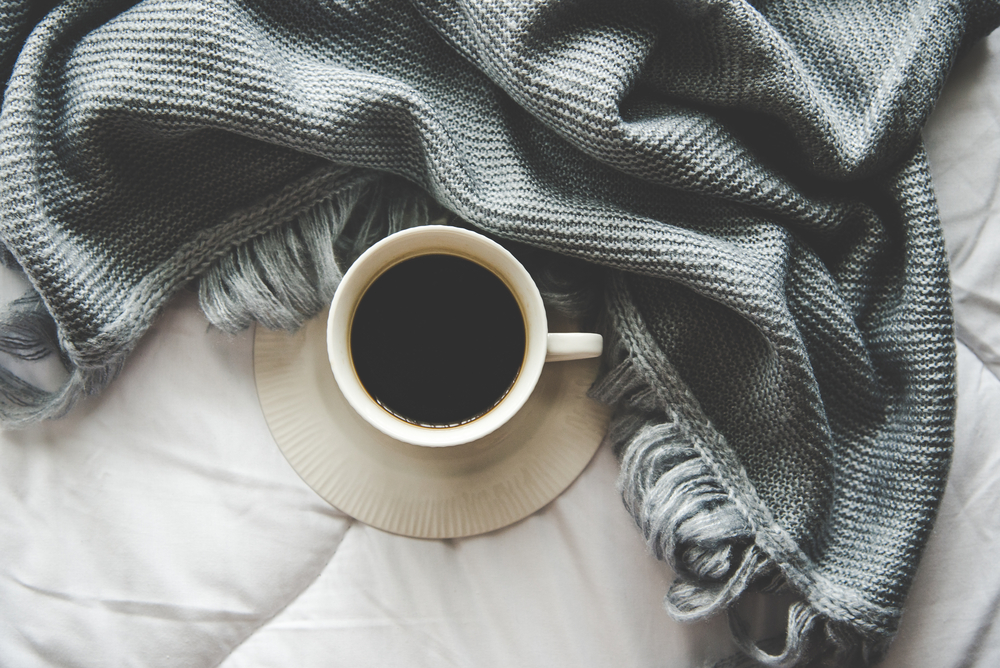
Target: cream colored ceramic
{"points": [[418, 491], [541, 346]]}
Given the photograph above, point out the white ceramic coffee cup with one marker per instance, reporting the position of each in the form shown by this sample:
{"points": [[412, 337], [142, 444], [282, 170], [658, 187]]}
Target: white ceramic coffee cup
{"points": [[540, 345]]}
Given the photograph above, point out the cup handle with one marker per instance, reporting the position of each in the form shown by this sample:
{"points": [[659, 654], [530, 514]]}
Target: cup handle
{"points": [[564, 346]]}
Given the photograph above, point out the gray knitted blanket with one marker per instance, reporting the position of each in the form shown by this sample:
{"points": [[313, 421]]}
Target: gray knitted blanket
{"points": [[735, 190]]}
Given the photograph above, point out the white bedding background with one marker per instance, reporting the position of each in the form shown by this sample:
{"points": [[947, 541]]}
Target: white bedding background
{"points": [[159, 525]]}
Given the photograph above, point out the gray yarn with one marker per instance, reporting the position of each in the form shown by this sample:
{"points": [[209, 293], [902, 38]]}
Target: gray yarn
{"points": [[290, 273], [735, 190], [28, 332]]}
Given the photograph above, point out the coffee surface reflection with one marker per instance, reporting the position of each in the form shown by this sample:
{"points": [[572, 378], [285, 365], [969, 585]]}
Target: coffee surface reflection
{"points": [[437, 340]]}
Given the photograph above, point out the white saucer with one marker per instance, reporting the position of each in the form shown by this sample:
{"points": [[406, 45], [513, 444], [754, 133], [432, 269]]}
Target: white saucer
{"points": [[423, 492]]}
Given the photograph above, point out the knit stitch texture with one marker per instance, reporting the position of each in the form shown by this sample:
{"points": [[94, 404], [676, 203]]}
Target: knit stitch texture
{"points": [[743, 180]]}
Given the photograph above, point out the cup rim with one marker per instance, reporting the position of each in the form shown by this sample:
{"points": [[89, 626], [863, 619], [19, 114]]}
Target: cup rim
{"points": [[426, 240]]}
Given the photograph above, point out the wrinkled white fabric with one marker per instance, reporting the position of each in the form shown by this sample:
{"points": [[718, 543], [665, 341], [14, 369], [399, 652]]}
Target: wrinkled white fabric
{"points": [[158, 525], [572, 585], [963, 146]]}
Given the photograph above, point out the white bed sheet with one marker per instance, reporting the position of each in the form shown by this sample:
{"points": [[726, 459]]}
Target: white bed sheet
{"points": [[159, 525]]}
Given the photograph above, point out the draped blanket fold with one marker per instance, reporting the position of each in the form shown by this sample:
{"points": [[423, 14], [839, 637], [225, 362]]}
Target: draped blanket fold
{"points": [[743, 182]]}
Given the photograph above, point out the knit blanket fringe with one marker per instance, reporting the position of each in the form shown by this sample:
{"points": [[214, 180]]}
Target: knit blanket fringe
{"points": [[28, 334], [692, 516], [279, 278], [289, 274]]}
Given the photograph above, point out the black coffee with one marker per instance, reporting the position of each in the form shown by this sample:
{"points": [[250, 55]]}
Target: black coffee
{"points": [[437, 340]]}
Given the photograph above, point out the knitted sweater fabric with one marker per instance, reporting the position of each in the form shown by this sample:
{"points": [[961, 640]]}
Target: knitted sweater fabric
{"points": [[741, 183]]}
